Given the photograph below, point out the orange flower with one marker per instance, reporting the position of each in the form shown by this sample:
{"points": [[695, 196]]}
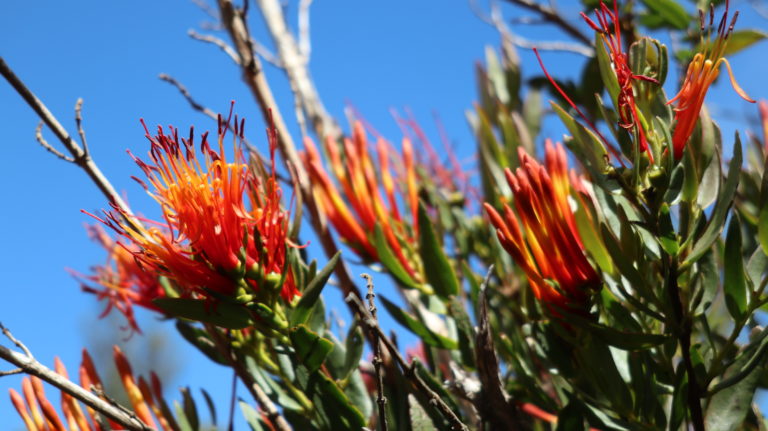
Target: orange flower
{"points": [[122, 280], [39, 414], [211, 241], [702, 72], [548, 247], [358, 207], [610, 32]]}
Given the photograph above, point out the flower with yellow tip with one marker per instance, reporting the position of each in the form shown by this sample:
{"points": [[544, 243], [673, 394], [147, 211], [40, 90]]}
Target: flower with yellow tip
{"points": [[356, 206], [702, 72], [541, 235]]}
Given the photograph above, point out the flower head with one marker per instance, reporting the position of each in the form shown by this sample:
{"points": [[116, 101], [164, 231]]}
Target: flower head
{"points": [[223, 228], [541, 236], [357, 205], [702, 72], [610, 32]]}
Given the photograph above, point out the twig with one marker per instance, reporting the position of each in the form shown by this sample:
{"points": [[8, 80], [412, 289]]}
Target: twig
{"points": [[29, 365], [80, 157], [545, 45], [215, 41], [79, 122], [550, 14], [381, 400], [44, 143], [185, 93], [409, 370]]}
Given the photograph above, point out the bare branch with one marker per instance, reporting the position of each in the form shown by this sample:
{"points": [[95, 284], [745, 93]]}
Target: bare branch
{"points": [[295, 67], [409, 370], [552, 15], [80, 157], [207, 38], [305, 43], [381, 400], [29, 365]]}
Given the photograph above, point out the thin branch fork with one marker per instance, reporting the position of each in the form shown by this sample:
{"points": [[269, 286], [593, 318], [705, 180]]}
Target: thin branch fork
{"points": [[409, 369], [80, 155], [381, 400], [29, 365]]}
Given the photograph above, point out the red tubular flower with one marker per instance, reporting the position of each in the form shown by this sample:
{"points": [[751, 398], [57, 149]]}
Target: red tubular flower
{"points": [[702, 72], [610, 32], [547, 246], [39, 414], [357, 206], [210, 238]]}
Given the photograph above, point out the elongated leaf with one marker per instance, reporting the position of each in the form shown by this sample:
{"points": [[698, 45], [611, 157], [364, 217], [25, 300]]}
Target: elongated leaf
{"points": [[309, 297], [190, 409], [252, 417], [735, 281], [225, 315], [390, 261], [665, 13], [742, 39], [417, 327], [437, 267], [724, 201], [311, 349], [762, 224]]}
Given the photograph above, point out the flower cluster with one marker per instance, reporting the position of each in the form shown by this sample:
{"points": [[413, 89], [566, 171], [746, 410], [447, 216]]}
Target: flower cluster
{"points": [[542, 236], [357, 207], [223, 232], [702, 72]]}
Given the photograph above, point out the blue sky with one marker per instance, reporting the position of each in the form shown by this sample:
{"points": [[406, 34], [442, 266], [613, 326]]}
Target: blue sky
{"points": [[376, 55]]}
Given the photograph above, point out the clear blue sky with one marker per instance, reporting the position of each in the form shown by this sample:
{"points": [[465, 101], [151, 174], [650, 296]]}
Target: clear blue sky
{"points": [[376, 55]]}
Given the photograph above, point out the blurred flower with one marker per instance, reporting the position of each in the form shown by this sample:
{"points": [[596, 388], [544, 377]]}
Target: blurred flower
{"points": [[210, 242], [39, 414], [610, 32], [121, 281], [548, 247], [702, 72], [357, 206]]}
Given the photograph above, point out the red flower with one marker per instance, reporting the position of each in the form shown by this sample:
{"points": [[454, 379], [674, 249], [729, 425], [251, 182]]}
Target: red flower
{"points": [[541, 236], [702, 72], [223, 227]]}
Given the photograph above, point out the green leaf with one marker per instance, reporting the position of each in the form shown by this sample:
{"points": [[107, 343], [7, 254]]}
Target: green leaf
{"points": [[417, 327], [762, 224], [607, 72], [390, 261], [200, 339], [724, 201], [331, 404], [665, 13], [420, 420], [311, 349], [354, 350], [742, 39], [437, 267], [730, 405], [190, 410], [210, 404], [309, 297], [223, 314], [735, 281], [181, 418]]}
